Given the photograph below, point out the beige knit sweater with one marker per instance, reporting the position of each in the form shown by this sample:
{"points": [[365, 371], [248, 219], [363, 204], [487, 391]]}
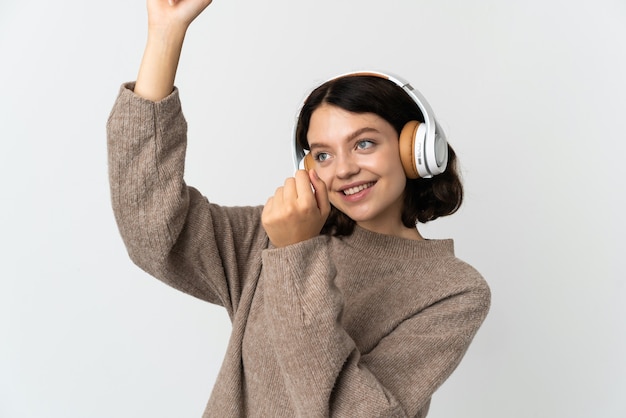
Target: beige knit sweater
{"points": [[361, 326]]}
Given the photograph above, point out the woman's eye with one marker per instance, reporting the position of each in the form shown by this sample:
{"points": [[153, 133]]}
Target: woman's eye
{"points": [[321, 156], [364, 144]]}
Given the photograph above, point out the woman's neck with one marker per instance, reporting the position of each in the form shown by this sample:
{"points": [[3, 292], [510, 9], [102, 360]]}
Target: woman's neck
{"points": [[397, 230]]}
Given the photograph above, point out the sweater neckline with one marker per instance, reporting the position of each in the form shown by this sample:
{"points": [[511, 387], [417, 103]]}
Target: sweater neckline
{"points": [[387, 246]]}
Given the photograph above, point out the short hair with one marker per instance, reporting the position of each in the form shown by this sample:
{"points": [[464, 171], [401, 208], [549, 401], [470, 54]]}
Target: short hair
{"points": [[425, 199]]}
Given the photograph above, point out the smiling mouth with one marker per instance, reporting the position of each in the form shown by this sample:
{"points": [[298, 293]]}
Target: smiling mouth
{"points": [[355, 190]]}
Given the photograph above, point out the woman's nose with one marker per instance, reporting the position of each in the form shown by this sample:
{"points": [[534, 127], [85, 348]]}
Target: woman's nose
{"points": [[346, 166]]}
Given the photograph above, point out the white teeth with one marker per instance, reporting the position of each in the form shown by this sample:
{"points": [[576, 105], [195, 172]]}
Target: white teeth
{"points": [[357, 189]]}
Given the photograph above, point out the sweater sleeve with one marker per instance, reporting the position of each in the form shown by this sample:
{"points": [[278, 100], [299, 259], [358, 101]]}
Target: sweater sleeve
{"points": [[324, 371], [170, 230]]}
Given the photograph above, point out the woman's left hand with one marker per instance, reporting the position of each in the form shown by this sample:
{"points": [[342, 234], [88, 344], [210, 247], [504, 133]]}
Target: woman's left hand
{"points": [[296, 212]]}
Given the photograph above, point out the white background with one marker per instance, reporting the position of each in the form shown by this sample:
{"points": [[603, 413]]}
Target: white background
{"points": [[532, 95]]}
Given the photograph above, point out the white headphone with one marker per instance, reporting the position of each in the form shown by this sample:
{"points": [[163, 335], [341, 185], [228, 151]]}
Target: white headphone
{"points": [[423, 145]]}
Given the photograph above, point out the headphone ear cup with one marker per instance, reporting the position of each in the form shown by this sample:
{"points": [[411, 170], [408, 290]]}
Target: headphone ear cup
{"points": [[407, 149], [307, 162]]}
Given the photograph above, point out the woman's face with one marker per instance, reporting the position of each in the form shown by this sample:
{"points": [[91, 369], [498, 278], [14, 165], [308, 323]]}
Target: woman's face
{"points": [[357, 156]]}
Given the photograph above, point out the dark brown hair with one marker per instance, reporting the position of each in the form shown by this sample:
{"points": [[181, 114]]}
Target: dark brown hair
{"points": [[424, 199]]}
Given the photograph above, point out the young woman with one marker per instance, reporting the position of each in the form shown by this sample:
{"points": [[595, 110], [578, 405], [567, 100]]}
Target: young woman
{"points": [[339, 307]]}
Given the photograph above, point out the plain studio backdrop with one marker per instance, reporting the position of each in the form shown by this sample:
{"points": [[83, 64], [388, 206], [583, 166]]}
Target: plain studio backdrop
{"points": [[532, 95]]}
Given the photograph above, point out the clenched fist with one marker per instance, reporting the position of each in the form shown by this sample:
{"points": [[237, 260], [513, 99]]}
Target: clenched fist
{"points": [[296, 212]]}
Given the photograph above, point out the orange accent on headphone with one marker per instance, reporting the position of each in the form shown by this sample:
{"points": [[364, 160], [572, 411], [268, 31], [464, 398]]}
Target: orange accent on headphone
{"points": [[407, 146]]}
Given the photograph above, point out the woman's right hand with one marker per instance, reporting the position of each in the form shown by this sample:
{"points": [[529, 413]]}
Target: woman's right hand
{"points": [[167, 25], [174, 14]]}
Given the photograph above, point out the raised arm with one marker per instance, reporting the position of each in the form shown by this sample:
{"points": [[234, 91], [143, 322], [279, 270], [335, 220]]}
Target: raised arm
{"points": [[167, 24], [170, 230]]}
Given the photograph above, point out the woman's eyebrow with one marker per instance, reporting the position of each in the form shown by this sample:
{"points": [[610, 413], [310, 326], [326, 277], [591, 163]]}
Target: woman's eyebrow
{"points": [[348, 138]]}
